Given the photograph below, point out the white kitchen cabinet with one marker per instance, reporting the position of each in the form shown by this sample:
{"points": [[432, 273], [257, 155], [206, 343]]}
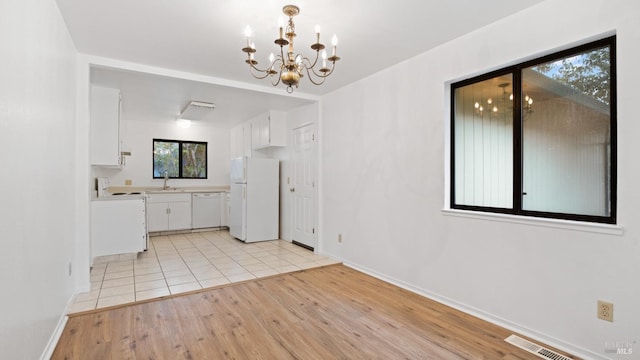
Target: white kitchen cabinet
{"points": [[168, 212], [157, 217], [118, 226], [224, 209], [241, 140], [105, 126], [179, 215], [269, 129]]}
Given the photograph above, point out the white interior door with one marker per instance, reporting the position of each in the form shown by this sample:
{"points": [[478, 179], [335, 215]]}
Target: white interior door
{"points": [[303, 184]]}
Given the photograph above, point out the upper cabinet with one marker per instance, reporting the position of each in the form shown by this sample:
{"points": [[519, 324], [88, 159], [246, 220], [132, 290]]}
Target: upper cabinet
{"points": [[263, 131], [269, 129], [105, 126], [241, 140]]}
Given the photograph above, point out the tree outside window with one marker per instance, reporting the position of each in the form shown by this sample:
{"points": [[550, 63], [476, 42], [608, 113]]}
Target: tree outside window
{"points": [[179, 159]]}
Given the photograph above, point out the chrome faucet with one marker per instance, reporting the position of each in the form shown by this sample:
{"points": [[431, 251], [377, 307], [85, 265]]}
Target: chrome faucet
{"points": [[166, 178]]}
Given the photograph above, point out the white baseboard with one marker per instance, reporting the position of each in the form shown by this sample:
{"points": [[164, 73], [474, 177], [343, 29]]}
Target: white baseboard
{"points": [[57, 332], [53, 341], [550, 341]]}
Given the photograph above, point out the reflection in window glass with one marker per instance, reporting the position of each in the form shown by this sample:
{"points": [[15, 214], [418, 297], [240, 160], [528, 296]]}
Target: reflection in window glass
{"points": [[566, 135], [484, 143]]}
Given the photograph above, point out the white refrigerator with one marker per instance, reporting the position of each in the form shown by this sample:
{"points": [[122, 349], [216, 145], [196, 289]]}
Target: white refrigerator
{"points": [[254, 199]]}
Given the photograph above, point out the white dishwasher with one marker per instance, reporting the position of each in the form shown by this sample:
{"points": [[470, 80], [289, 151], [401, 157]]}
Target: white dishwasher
{"points": [[205, 210]]}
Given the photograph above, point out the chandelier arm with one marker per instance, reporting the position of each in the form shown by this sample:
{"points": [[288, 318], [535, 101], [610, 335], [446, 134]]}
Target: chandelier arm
{"points": [[307, 63], [324, 75], [314, 82], [278, 77], [267, 71], [279, 73], [253, 69], [315, 61]]}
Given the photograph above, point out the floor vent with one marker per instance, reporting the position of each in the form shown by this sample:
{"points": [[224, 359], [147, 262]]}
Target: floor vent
{"points": [[535, 348]]}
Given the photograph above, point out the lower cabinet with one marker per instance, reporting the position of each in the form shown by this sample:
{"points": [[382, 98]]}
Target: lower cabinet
{"points": [[224, 209], [117, 227], [168, 212]]}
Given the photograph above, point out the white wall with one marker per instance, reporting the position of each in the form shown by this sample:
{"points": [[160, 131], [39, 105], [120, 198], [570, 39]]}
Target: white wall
{"points": [[385, 180], [37, 131], [138, 135]]}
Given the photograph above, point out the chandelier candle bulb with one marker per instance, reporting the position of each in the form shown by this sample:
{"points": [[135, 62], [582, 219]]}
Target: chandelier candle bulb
{"points": [[248, 32], [334, 42]]}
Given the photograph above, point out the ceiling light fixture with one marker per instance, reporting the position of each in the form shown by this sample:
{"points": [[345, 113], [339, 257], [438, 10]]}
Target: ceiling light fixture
{"points": [[289, 67], [195, 110]]}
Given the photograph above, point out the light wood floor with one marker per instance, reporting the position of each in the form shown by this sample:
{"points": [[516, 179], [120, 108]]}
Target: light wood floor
{"points": [[332, 312]]}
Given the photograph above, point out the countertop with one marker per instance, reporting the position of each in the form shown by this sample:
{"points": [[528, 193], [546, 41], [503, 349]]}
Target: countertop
{"points": [[159, 190], [131, 192]]}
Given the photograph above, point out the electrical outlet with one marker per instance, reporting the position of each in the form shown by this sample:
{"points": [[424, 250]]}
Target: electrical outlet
{"points": [[339, 238], [605, 310], [128, 182]]}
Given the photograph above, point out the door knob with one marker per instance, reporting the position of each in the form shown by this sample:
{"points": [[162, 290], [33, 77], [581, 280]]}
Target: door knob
{"points": [[292, 189]]}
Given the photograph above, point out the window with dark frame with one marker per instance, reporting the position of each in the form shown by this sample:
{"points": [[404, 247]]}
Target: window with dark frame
{"points": [[179, 159], [539, 138]]}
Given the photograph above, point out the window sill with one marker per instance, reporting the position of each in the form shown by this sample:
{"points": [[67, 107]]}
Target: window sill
{"points": [[534, 221]]}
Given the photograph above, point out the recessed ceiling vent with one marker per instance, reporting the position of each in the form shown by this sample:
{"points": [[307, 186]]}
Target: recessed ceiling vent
{"points": [[196, 110], [535, 348]]}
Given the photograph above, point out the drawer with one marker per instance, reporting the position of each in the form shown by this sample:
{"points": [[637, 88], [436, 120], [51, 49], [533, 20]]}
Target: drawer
{"points": [[166, 198]]}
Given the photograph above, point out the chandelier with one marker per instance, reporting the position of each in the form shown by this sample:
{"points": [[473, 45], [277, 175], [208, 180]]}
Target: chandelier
{"points": [[504, 102], [289, 67]]}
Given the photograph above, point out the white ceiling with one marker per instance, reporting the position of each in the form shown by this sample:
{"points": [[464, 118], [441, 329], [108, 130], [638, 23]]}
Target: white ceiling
{"points": [[205, 37], [148, 97]]}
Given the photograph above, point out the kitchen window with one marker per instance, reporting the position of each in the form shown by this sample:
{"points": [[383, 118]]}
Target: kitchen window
{"points": [[179, 159], [539, 138]]}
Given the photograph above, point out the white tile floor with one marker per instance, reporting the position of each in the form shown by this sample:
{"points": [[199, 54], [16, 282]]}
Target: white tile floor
{"points": [[185, 262]]}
